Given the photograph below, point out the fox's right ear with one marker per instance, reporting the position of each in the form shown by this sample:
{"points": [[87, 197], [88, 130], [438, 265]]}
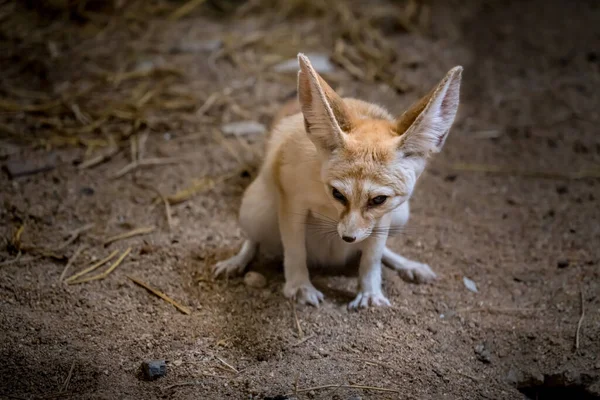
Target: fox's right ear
{"points": [[326, 117]]}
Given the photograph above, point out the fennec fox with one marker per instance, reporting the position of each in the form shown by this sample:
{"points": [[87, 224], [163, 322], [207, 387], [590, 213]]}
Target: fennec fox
{"points": [[336, 181]]}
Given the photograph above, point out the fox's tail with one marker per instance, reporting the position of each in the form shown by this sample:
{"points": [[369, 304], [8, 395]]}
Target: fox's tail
{"points": [[290, 107]]}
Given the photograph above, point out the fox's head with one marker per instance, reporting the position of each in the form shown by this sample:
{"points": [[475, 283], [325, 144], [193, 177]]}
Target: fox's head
{"points": [[370, 160]]}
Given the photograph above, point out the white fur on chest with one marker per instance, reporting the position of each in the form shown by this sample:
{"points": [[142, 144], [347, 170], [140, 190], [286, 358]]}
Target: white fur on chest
{"points": [[326, 249]]}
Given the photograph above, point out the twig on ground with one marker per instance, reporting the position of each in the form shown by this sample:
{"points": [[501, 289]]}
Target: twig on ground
{"points": [[16, 239], [133, 147], [296, 384], [127, 235], [374, 388], [296, 320], [201, 185], [74, 235], [227, 365], [160, 294], [582, 315], [165, 201], [185, 9], [194, 383], [93, 267], [301, 341], [494, 310], [104, 274], [72, 259], [147, 162], [100, 158], [19, 258], [65, 385], [378, 363]]}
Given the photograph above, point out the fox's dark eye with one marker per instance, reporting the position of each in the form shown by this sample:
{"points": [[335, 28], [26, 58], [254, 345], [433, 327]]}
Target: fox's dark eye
{"points": [[338, 195], [377, 201]]}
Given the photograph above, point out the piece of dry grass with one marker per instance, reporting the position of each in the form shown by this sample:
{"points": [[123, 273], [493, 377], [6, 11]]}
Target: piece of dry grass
{"points": [[65, 385], [72, 259], [229, 366], [16, 238], [185, 9], [580, 322], [93, 267], [74, 235], [297, 321], [100, 158], [104, 274], [127, 235], [18, 259], [147, 162], [160, 294], [201, 185], [303, 340], [338, 386]]}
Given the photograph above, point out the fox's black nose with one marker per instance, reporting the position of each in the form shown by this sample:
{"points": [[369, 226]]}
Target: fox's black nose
{"points": [[349, 239]]}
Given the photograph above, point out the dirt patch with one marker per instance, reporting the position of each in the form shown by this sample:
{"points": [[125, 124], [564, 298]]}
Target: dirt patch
{"points": [[511, 203]]}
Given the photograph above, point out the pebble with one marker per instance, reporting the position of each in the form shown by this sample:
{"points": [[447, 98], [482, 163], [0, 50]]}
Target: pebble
{"points": [[255, 280], [87, 191], [243, 128], [191, 46], [469, 284], [320, 63], [154, 369], [483, 354], [30, 166]]}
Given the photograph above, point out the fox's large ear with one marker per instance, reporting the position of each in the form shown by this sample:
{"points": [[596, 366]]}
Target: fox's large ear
{"points": [[326, 117], [425, 125]]}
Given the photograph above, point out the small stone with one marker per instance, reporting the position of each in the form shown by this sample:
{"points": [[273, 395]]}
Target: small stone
{"points": [[483, 354], [154, 369], [451, 178], [87, 191], [514, 376], [30, 165], [243, 128], [562, 264], [323, 352], [469, 284], [177, 363], [197, 46], [255, 280], [320, 63]]}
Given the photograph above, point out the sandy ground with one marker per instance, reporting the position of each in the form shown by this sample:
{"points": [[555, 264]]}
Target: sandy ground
{"points": [[528, 234]]}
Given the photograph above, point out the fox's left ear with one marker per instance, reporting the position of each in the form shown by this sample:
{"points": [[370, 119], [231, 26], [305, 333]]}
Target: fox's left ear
{"points": [[425, 125]]}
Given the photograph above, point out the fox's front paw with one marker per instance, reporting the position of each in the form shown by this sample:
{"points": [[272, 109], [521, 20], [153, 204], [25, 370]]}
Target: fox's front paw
{"points": [[303, 293], [417, 272], [366, 299], [229, 267]]}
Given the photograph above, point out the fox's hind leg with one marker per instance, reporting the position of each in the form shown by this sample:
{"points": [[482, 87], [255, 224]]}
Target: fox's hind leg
{"points": [[258, 219], [238, 263], [409, 270]]}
